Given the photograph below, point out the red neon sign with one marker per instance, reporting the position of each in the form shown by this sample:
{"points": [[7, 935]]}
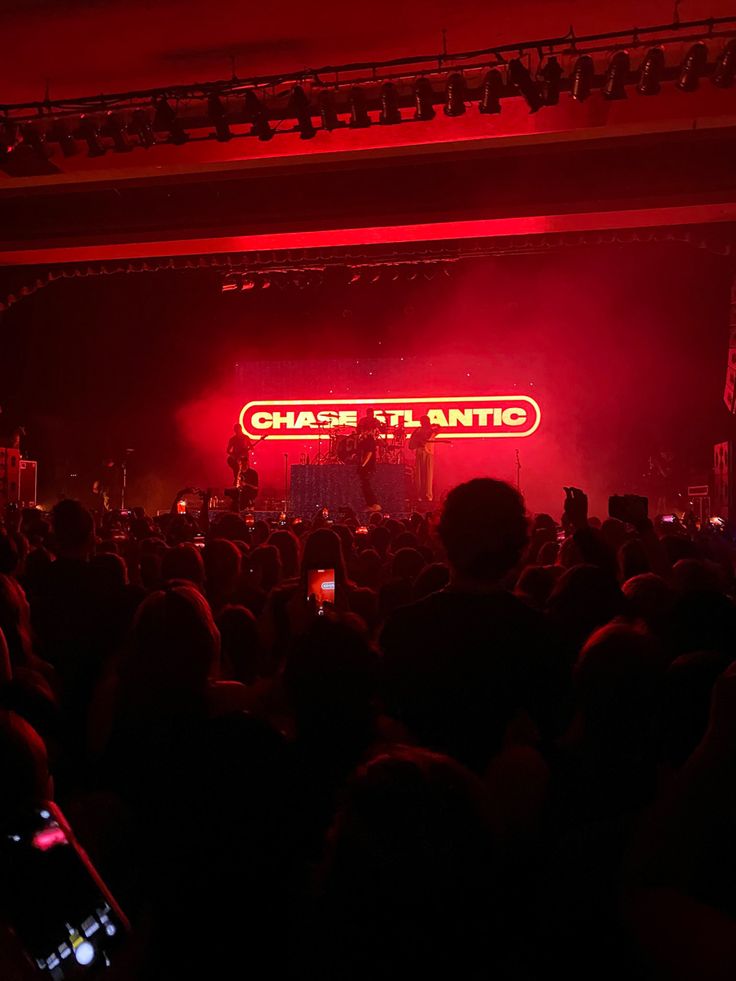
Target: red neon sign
{"points": [[459, 417]]}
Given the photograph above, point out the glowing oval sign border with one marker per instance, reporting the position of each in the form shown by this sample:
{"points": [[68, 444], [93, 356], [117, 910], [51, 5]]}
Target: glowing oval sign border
{"points": [[470, 415]]}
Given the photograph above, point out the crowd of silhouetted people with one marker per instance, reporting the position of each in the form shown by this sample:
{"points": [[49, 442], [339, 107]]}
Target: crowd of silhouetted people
{"points": [[507, 750]]}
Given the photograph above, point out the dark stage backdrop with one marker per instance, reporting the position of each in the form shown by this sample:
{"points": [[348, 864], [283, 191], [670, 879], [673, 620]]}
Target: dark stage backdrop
{"points": [[623, 348]]}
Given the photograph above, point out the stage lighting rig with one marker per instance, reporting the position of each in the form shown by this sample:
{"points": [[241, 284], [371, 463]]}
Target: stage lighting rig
{"points": [[650, 72], [725, 69], [455, 95], [359, 117], [140, 126], [217, 115], [692, 67], [390, 113], [424, 100], [493, 90], [165, 119], [614, 84], [496, 73], [521, 79], [299, 108], [256, 115], [582, 78]]}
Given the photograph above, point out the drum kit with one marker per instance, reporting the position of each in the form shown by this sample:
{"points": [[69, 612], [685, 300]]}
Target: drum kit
{"points": [[343, 445]]}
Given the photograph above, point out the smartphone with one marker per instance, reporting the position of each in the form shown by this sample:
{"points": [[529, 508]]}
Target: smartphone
{"points": [[282, 520], [629, 508], [362, 530], [58, 906], [325, 513], [561, 535], [199, 541], [321, 585], [250, 520], [669, 519]]}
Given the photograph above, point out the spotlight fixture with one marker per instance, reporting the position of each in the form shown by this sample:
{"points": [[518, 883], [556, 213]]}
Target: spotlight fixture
{"points": [[423, 100], [493, 89], [300, 109], [256, 115], [455, 97], [582, 78], [614, 84], [247, 283], [116, 130], [217, 115], [521, 79], [650, 72], [34, 141], [725, 69], [166, 119], [390, 113], [692, 67], [328, 112], [90, 133], [140, 126], [64, 138], [359, 118], [551, 76]]}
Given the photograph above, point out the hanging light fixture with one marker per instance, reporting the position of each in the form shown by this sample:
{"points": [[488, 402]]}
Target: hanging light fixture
{"points": [[140, 126], [300, 108], [650, 72], [359, 118], [455, 95], [90, 133], [424, 100], [165, 119], [582, 78], [493, 89], [256, 115], [328, 112], [520, 78], [116, 129], [217, 115], [551, 76], [614, 84], [692, 67], [390, 113], [725, 69]]}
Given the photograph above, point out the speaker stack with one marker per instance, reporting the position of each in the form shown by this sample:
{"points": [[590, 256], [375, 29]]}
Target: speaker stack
{"points": [[9, 476], [722, 470]]}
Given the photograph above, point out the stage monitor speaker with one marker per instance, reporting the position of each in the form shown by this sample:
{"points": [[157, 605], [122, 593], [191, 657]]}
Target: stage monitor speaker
{"points": [[729, 390], [28, 483], [9, 475], [722, 471]]}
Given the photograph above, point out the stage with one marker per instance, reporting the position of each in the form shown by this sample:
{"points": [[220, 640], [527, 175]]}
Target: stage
{"points": [[336, 486]]}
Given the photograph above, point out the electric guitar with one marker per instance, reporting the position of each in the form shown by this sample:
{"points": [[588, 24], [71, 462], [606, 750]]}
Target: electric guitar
{"points": [[243, 458]]}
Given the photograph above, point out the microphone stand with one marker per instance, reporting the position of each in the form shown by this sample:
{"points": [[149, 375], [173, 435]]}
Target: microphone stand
{"points": [[518, 472], [286, 483]]}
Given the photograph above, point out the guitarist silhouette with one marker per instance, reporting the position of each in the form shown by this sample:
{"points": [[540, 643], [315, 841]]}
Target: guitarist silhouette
{"points": [[238, 453]]}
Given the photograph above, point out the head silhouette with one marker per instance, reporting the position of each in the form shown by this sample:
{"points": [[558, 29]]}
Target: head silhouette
{"points": [[484, 529]]}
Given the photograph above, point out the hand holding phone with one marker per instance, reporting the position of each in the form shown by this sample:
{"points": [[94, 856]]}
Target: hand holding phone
{"points": [[321, 586], [60, 910]]}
